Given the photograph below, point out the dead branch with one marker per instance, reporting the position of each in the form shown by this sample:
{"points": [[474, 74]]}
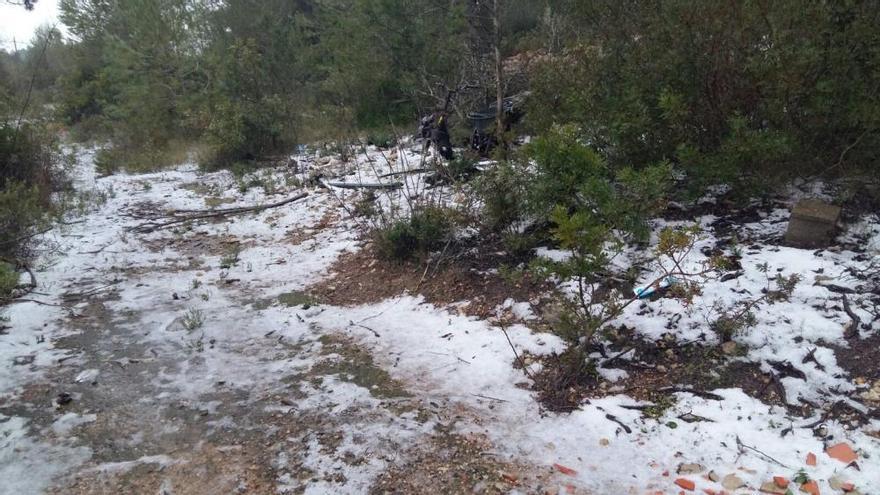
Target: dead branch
{"points": [[176, 217], [853, 329], [700, 393], [489, 398], [614, 418], [365, 185], [742, 448], [516, 354], [418, 170]]}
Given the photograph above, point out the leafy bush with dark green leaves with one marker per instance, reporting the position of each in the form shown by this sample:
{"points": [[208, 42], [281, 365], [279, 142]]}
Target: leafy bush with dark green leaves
{"points": [[570, 178], [426, 230], [746, 93], [502, 190], [8, 280], [29, 174]]}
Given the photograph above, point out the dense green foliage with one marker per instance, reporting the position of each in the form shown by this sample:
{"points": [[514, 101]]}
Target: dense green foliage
{"points": [[28, 176], [251, 78], [736, 92], [743, 93], [624, 95], [427, 229], [30, 170]]}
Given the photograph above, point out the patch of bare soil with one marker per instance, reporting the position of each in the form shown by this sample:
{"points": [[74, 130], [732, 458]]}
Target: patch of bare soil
{"points": [[301, 235], [461, 464], [862, 358], [208, 469], [362, 278], [862, 362], [196, 244]]}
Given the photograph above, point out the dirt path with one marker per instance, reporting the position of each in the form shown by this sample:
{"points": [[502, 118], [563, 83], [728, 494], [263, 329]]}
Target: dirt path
{"points": [[165, 373]]}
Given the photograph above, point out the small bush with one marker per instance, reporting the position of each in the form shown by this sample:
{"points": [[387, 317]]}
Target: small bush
{"points": [[193, 319], [426, 230], [462, 168], [29, 174], [8, 280], [502, 192], [22, 214], [143, 157], [381, 138]]}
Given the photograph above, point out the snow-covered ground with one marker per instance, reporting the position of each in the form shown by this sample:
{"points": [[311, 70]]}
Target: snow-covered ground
{"points": [[195, 363]]}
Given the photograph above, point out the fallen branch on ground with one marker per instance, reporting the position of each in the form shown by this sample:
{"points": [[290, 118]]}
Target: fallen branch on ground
{"points": [[699, 393], [176, 217], [853, 329], [365, 185], [612, 417], [742, 450], [522, 363], [405, 172]]}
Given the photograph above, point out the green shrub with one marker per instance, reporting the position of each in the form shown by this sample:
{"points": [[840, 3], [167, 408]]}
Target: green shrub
{"points": [[22, 214], [397, 241], [108, 161], [426, 230], [570, 179], [8, 280], [29, 174], [502, 191], [143, 157], [462, 168], [746, 93], [382, 138]]}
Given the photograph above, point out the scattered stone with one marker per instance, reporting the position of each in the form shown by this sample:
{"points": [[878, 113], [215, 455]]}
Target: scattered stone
{"points": [[63, 399], [729, 347], [23, 360], [732, 482], [873, 394], [842, 452], [771, 487], [690, 468], [87, 376], [686, 484], [604, 442], [510, 478], [713, 476], [812, 224], [835, 483]]}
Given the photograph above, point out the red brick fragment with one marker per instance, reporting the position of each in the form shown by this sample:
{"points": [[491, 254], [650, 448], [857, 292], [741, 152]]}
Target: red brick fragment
{"points": [[686, 484], [810, 487], [780, 481], [811, 459], [565, 470], [842, 452]]}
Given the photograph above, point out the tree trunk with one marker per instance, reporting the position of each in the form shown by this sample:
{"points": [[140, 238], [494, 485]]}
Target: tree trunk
{"points": [[499, 75]]}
